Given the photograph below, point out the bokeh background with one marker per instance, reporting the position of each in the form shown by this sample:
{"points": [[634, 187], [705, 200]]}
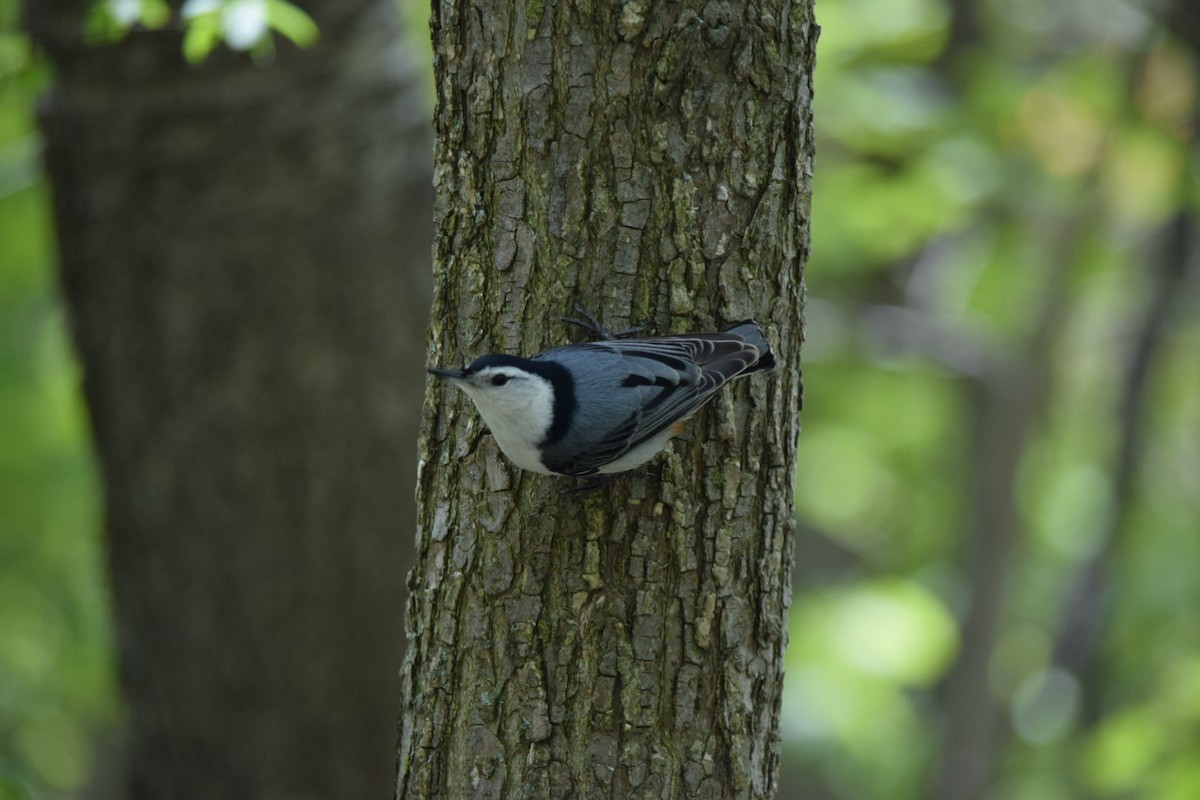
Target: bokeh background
{"points": [[998, 561]]}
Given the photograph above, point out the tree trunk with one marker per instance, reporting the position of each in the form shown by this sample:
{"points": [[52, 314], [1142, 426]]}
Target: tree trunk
{"points": [[245, 260], [651, 161]]}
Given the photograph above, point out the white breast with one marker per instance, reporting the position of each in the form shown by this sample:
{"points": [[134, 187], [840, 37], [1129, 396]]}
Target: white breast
{"points": [[518, 418], [517, 442]]}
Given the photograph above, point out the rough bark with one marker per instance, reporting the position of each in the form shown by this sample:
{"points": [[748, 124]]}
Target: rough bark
{"points": [[245, 261], [652, 161]]}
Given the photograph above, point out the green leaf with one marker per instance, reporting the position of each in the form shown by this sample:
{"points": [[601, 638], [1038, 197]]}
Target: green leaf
{"points": [[292, 22], [202, 36], [101, 27], [155, 14]]}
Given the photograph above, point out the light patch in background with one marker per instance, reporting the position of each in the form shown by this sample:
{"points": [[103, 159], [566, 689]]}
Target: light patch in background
{"points": [[244, 23], [1072, 511], [840, 475], [895, 632], [855, 655], [126, 12], [1045, 705]]}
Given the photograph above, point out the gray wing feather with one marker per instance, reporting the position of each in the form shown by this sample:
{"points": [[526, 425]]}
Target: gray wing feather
{"points": [[661, 381]]}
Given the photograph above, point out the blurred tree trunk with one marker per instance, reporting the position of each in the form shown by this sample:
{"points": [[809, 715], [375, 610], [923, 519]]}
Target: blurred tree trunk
{"points": [[652, 162], [245, 261], [1009, 397]]}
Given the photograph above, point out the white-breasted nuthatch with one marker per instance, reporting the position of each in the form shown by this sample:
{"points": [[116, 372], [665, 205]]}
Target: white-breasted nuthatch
{"points": [[605, 406]]}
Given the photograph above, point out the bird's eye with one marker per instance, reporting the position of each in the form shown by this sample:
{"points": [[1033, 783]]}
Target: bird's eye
{"points": [[499, 380]]}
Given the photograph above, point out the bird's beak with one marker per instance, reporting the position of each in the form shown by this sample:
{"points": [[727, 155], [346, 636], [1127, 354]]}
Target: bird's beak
{"points": [[452, 374]]}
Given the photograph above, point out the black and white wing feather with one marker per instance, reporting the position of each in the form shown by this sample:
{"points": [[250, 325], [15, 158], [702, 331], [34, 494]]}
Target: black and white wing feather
{"points": [[661, 381]]}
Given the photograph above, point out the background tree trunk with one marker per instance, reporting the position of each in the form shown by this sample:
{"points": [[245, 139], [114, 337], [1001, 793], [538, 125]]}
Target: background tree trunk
{"points": [[245, 260], [652, 162]]}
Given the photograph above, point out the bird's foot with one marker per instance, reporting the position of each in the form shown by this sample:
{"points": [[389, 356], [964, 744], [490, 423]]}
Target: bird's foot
{"points": [[593, 327], [595, 483]]}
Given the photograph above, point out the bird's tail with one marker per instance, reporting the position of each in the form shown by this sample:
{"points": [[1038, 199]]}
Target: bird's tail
{"points": [[749, 330]]}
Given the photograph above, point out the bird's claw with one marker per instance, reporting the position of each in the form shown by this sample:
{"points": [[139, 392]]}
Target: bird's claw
{"points": [[592, 325], [595, 483], [587, 487]]}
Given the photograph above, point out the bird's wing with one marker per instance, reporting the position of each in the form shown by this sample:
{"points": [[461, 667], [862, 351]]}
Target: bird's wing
{"points": [[668, 378]]}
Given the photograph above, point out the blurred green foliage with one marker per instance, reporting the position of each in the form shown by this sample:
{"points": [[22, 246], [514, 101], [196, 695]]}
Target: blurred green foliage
{"points": [[239, 24], [995, 188], [57, 688]]}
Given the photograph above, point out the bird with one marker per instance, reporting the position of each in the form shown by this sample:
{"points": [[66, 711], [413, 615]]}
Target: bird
{"points": [[604, 407]]}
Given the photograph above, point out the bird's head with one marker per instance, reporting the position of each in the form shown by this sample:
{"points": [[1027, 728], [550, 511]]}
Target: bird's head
{"points": [[509, 392]]}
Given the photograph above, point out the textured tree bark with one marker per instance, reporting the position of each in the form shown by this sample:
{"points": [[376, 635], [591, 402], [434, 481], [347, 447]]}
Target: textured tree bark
{"points": [[651, 160], [245, 260]]}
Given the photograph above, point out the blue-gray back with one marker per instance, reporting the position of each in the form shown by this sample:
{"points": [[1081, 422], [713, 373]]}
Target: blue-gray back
{"points": [[630, 390]]}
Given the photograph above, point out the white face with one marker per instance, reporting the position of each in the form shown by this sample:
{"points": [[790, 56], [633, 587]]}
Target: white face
{"points": [[518, 408]]}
